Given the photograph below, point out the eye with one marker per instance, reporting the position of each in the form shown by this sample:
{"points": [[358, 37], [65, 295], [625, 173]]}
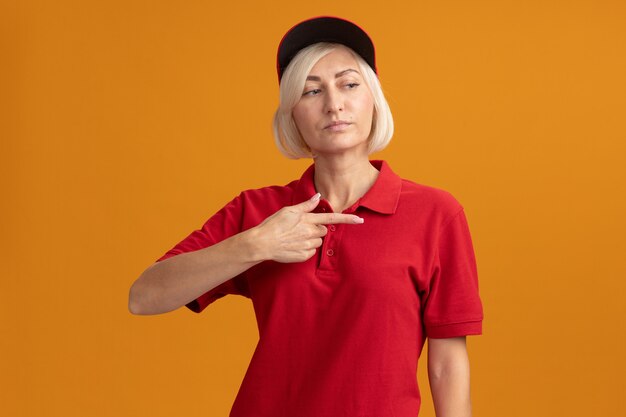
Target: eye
{"points": [[352, 85], [312, 92]]}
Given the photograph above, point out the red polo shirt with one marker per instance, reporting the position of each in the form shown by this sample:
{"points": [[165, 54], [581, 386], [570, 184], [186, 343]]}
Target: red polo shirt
{"points": [[340, 334]]}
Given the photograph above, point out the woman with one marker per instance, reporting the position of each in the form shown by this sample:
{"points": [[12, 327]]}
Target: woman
{"points": [[350, 268]]}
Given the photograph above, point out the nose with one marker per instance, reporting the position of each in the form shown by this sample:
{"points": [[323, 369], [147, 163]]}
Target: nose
{"points": [[334, 101]]}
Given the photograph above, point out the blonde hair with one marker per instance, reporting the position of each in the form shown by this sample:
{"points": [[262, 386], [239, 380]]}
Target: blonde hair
{"points": [[286, 134]]}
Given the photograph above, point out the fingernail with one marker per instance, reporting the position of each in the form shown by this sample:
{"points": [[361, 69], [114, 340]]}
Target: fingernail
{"points": [[359, 220], [316, 197]]}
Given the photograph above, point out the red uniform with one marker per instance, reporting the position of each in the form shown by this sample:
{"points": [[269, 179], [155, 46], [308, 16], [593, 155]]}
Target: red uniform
{"points": [[341, 333]]}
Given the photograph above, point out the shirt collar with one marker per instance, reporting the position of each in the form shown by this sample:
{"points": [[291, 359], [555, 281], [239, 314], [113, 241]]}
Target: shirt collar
{"points": [[382, 197]]}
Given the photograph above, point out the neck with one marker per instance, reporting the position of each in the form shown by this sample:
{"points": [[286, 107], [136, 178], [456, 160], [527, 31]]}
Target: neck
{"points": [[343, 182]]}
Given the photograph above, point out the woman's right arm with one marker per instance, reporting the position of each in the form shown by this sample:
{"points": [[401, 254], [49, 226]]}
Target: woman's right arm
{"points": [[292, 234], [169, 284]]}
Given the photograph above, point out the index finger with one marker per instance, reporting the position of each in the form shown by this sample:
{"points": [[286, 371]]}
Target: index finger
{"points": [[333, 218]]}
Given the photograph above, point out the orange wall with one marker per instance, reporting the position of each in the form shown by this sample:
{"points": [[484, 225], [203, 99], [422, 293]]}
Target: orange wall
{"points": [[125, 124]]}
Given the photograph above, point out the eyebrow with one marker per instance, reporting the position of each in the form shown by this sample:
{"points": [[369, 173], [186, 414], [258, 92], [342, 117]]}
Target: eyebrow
{"points": [[339, 74]]}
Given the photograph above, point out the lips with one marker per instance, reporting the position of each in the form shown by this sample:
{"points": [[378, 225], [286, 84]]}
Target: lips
{"points": [[337, 125]]}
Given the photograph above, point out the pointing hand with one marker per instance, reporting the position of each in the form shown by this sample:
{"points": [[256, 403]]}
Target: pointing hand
{"points": [[293, 233]]}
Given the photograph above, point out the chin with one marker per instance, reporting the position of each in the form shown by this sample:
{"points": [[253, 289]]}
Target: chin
{"points": [[340, 151]]}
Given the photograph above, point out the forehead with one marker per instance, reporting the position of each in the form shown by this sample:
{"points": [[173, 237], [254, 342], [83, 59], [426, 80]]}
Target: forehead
{"points": [[335, 61]]}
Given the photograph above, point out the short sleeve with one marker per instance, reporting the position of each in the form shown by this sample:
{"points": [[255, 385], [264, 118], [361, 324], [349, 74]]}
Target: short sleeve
{"points": [[453, 307], [225, 223]]}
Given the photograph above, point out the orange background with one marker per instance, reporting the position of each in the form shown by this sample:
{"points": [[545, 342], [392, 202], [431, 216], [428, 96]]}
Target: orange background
{"points": [[126, 124]]}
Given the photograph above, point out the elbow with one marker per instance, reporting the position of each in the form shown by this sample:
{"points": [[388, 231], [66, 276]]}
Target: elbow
{"points": [[144, 299], [140, 295], [135, 305], [147, 297], [438, 372]]}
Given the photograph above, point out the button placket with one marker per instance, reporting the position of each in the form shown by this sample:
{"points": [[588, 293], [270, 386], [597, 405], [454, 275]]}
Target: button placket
{"points": [[329, 256], [327, 247], [328, 251]]}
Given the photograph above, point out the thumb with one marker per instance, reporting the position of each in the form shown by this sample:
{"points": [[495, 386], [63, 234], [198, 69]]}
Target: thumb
{"points": [[308, 205]]}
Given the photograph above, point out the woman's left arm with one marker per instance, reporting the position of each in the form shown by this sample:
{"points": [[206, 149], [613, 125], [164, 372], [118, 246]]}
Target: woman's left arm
{"points": [[449, 377]]}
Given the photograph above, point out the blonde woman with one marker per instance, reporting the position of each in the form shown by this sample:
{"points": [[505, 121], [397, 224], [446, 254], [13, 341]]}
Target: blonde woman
{"points": [[350, 268]]}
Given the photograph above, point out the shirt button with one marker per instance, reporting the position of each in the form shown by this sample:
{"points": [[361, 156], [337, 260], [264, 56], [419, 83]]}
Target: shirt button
{"points": [[330, 252], [332, 227]]}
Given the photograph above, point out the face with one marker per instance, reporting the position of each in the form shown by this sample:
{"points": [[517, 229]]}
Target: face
{"points": [[334, 114]]}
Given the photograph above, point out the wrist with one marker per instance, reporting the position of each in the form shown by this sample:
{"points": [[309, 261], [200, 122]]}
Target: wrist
{"points": [[249, 247]]}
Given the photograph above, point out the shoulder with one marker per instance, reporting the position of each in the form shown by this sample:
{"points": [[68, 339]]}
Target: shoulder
{"points": [[437, 204], [429, 195], [271, 193], [255, 204]]}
